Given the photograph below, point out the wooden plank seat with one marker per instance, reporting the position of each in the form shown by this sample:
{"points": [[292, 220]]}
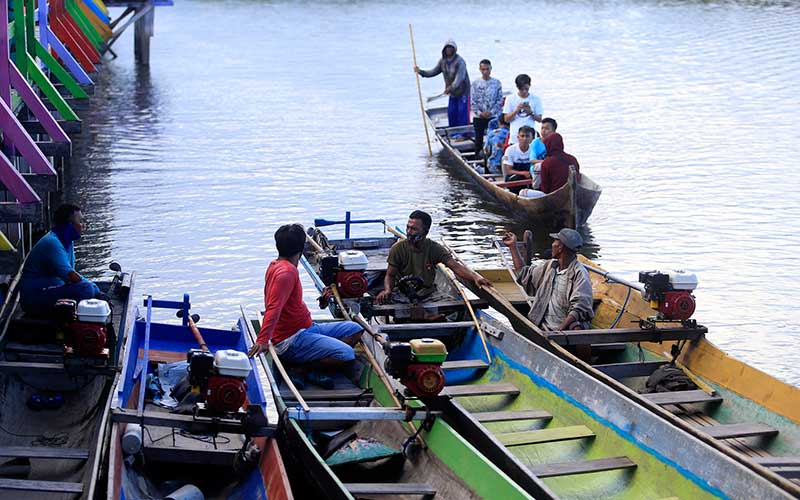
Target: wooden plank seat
{"points": [[37, 485], [787, 472], [502, 388], [609, 347], [445, 325], [549, 435], [582, 337], [728, 431], [44, 452], [462, 364], [681, 397], [633, 369], [777, 461], [328, 395], [390, 489], [509, 416], [445, 306], [582, 467]]}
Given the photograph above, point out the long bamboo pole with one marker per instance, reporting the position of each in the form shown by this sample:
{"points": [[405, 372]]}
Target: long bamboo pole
{"points": [[419, 91], [447, 272]]}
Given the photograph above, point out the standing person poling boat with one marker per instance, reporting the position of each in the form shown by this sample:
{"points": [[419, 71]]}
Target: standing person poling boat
{"points": [[287, 321], [522, 108], [49, 273], [560, 287], [555, 169], [456, 80], [486, 101], [412, 262]]}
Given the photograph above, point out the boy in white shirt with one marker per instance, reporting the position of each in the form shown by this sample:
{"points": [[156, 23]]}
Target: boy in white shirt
{"points": [[517, 158], [522, 108]]}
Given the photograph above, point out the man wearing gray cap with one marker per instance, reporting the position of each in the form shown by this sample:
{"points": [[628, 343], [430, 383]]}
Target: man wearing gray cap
{"points": [[560, 287]]}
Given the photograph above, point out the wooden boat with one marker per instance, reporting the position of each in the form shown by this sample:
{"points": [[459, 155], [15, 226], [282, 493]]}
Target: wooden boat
{"points": [[545, 423], [569, 206], [226, 453], [54, 401], [739, 410]]}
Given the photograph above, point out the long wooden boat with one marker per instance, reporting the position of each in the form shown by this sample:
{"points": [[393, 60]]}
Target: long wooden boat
{"points": [[547, 424], [55, 400], [219, 452], [739, 410], [569, 206]]}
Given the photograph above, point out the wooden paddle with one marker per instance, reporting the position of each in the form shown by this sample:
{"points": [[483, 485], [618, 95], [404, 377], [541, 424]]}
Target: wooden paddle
{"points": [[419, 91]]}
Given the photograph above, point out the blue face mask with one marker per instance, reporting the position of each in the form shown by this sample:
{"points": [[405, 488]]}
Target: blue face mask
{"points": [[416, 238]]}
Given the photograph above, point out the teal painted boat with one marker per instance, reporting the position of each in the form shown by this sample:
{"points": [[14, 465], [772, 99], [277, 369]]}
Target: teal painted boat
{"points": [[531, 413], [741, 411]]}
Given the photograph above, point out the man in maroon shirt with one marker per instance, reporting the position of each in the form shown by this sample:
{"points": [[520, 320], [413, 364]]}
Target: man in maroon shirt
{"points": [[555, 168], [287, 320]]}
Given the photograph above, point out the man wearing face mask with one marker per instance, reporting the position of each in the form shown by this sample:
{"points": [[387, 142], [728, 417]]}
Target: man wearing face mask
{"points": [[49, 273], [418, 256]]}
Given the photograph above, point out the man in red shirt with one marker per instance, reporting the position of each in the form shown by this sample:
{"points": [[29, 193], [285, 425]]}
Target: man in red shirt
{"points": [[287, 321], [555, 168]]}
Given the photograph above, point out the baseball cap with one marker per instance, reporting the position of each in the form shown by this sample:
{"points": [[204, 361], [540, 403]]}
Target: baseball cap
{"points": [[569, 237]]}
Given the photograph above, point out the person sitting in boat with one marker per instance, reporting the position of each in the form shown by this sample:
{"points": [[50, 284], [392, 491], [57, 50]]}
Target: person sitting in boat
{"points": [[517, 158], [560, 287], [49, 272], [538, 155], [522, 108], [456, 80], [486, 101], [418, 256], [287, 321], [555, 169], [496, 145]]}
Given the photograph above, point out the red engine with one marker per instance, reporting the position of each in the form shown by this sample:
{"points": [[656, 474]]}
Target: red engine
{"points": [[677, 305], [351, 284], [225, 394], [86, 339], [424, 380]]}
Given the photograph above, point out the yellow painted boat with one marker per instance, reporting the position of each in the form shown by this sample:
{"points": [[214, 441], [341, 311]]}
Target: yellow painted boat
{"points": [[752, 417]]}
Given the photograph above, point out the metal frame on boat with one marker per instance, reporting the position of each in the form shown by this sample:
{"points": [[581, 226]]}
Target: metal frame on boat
{"points": [[569, 206]]}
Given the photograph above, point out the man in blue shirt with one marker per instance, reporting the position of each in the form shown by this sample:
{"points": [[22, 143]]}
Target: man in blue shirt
{"points": [[49, 272]]}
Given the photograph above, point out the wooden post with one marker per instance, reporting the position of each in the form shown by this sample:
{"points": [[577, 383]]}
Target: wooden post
{"points": [[419, 91], [142, 31]]}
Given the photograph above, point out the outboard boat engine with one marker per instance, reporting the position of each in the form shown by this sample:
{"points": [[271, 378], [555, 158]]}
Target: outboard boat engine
{"points": [[670, 293], [418, 365], [347, 270], [220, 377], [85, 325]]}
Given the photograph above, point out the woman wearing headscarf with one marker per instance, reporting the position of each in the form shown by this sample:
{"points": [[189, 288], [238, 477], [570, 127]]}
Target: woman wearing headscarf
{"points": [[555, 169]]}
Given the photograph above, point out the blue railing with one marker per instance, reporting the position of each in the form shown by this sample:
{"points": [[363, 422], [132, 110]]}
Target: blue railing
{"points": [[347, 221]]}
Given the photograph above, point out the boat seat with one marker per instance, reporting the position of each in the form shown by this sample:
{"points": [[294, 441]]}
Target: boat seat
{"points": [[463, 364], [417, 327], [502, 388], [681, 397], [422, 489], [609, 347], [445, 306], [509, 416], [583, 467], [549, 435], [39, 485], [328, 395], [728, 431], [633, 369], [44, 452], [777, 461], [583, 337]]}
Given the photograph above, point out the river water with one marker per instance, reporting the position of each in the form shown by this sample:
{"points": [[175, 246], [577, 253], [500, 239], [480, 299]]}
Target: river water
{"points": [[253, 114]]}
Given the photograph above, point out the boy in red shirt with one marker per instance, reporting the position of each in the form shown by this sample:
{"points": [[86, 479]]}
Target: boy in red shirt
{"points": [[287, 321]]}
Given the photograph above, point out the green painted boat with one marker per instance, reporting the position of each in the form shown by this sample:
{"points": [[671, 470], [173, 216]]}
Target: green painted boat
{"points": [[539, 419], [740, 411]]}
